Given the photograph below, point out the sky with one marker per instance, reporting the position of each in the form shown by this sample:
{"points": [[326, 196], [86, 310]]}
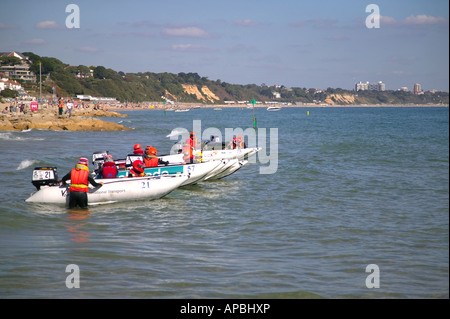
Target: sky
{"points": [[307, 44]]}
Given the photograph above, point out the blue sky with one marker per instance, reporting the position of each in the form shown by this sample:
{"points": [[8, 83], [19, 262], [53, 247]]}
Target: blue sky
{"points": [[312, 44]]}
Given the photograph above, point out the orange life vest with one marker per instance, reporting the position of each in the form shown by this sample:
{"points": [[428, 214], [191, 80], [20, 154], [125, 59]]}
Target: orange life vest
{"points": [[151, 161], [188, 153], [192, 141], [79, 179]]}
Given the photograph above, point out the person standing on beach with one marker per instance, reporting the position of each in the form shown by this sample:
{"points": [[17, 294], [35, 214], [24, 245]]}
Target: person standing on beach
{"points": [[60, 106], [69, 108]]}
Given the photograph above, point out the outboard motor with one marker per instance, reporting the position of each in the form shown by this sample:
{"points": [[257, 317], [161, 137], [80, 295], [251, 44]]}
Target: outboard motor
{"points": [[133, 157], [44, 176], [97, 160]]}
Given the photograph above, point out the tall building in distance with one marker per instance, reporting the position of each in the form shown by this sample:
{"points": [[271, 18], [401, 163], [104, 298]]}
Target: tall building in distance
{"points": [[417, 89], [360, 86]]}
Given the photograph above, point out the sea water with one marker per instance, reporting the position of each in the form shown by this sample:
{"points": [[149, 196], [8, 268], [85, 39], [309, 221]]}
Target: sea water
{"points": [[358, 207]]}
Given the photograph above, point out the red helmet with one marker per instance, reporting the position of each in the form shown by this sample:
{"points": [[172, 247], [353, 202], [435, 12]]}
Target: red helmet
{"points": [[137, 146], [83, 161], [138, 166]]}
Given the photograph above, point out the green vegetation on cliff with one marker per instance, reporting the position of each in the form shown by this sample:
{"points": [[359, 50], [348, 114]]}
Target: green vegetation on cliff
{"points": [[138, 87]]}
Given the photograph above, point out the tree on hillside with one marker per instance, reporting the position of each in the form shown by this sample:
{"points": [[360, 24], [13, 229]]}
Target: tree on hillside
{"points": [[9, 93], [10, 60]]}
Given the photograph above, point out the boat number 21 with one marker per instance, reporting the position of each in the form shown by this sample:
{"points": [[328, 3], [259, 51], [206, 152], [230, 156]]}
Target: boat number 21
{"points": [[145, 184]]}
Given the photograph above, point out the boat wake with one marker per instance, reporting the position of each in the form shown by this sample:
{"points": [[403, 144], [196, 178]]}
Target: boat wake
{"points": [[25, 164], [178, 132], [17, 136]]}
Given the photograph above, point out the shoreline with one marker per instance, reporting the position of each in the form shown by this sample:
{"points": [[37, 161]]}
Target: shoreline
{"points": [[86, 119], [197, 106]]}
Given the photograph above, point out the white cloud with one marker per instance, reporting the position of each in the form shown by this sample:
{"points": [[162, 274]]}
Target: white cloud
{"points": [[423, 19], [384, 20], [49, 25], [413, 20], [8, 26], [246, 23], [188, 47], [194, 32]]}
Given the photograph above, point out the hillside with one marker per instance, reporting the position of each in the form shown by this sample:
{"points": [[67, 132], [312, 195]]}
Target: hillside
{"points": [[191, 87]]}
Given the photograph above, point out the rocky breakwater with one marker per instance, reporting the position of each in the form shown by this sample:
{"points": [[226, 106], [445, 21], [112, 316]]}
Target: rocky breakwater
{"points": [[81, 120]]}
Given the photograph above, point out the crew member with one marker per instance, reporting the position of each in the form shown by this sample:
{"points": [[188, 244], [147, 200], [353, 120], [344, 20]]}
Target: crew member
{"points": [[150, 158], [137, 170], [109, 169], [79, 182], [138, 149], [192, 140], [189, 148], [240, 143]]}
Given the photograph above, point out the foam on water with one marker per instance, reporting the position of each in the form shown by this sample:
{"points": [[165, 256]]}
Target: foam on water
{"points": [[25, 163]]}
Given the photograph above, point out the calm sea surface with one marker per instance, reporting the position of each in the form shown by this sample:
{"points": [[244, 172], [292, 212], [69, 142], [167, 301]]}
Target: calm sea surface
{"points": [[352, 187]]}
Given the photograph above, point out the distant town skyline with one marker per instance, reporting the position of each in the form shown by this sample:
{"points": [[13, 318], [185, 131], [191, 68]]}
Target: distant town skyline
{"points": [[316, 44]]}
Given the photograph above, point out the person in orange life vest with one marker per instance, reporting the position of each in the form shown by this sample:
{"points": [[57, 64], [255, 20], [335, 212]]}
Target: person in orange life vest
{"points": [[188, 156], [138, 149], [109, 169], [79, 182], [137, 170], [240, 142], [150, 158], [60, 106], [189, 148], [192, 140]]}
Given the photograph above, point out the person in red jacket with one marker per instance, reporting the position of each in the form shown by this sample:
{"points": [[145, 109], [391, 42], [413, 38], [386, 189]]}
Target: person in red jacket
{"points": [[189, 148], [192, 141], [137, 170], [79, 182], [138, 149], [109, 169]]}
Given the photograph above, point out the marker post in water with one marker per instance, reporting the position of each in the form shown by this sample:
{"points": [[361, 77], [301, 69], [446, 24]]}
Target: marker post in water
{"points": [[254, 118]]}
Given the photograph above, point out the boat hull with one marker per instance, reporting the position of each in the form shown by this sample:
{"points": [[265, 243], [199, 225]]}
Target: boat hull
{"points": [[114, 190], [194, 171], [211, 155], [234, 165], [230, 161]]}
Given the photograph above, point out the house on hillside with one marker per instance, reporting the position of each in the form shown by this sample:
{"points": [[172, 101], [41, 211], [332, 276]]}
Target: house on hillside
{"points": [[5, 83], [20, 71]]}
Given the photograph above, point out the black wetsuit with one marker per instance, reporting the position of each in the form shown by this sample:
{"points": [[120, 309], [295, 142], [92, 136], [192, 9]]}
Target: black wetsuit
{"points": [[78, 198]]}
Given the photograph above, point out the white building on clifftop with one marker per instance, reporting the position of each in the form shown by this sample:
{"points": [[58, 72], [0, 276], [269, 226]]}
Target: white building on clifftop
{"points": [[360, 86]]}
